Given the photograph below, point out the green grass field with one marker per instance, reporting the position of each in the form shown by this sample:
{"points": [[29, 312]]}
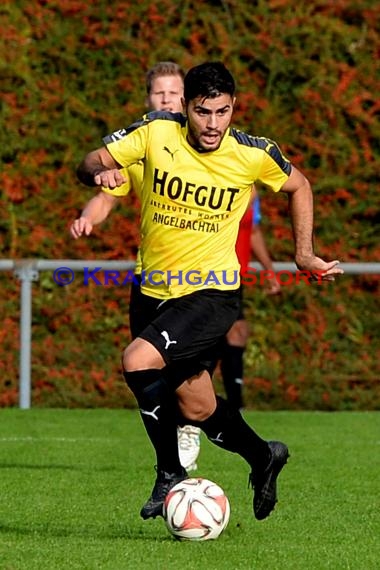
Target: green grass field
{"points": [[73, 481]]}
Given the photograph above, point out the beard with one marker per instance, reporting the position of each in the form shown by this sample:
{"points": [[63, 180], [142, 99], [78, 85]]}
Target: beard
{"points": [[195, 140]]}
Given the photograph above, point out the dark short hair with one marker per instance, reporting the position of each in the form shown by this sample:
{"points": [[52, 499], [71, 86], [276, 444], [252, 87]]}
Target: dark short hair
{"points": [[208, 80], [162, 69]]}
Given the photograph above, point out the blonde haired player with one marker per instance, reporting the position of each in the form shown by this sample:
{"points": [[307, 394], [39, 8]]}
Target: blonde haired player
{"points": [[164, 92]]}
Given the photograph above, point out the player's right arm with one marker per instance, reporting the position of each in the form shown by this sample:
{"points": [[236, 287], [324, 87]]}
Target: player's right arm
{"points": [[99, 168], [95, 212]]}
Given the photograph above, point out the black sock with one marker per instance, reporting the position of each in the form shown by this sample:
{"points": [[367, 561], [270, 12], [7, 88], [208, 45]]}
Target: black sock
{"points": [[157, 405], [231, 366], [227, 429]]}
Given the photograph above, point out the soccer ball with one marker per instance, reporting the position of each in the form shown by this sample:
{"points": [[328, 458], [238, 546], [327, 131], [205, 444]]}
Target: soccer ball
{"points": [[196, 509]]}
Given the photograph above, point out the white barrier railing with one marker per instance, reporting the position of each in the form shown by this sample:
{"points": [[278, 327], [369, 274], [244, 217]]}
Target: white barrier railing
{"points": [[27, 271]]}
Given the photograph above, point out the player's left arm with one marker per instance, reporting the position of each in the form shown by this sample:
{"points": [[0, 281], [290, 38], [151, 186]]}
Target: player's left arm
{"points": [[260, 251], [300, 197]]}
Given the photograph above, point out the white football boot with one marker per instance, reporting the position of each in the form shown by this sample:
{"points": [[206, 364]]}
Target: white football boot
{"points": [[189, 445]]}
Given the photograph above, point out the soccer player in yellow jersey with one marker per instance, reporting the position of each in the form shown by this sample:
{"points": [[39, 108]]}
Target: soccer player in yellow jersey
{"points": [[198, 175], [164, 86]]}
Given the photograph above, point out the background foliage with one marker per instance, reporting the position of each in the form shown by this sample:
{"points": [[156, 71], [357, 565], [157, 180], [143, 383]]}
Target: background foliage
{"points": [[308, 75]]}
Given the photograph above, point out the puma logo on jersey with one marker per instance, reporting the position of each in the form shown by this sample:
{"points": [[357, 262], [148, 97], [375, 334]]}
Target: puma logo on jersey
{"points": [[218, 438], [167, 339], [153, 414], [170, 152]]}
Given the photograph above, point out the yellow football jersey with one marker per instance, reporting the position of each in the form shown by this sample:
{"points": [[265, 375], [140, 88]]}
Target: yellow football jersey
{"points": [[191, 201], [134, 176]]}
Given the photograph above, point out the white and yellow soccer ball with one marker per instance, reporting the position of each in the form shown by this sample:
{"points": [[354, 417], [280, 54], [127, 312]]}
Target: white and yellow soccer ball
{"points": [[196, 509]]}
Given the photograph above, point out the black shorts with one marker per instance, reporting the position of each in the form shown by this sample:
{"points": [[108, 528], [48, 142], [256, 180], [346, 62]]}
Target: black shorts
{"points": [[241, 316], [185, 330]]}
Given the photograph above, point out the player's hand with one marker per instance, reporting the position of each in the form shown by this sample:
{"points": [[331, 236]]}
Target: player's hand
{"points": [[272, 287], [109, 178], [319, 269], [81, 226]]}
